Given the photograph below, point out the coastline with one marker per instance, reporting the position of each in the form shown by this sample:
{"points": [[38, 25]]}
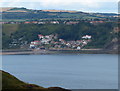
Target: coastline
{"points": [[18, 85], [57, 51]]}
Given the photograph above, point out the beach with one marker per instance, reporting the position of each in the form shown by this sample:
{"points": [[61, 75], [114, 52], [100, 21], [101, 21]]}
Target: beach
{"points": [[57, 51]]}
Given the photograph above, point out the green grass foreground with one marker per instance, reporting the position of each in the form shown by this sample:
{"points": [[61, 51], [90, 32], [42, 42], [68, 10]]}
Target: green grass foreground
{"points": [[11, 83]]}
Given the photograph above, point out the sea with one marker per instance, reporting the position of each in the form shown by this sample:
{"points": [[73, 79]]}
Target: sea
{"points": [[71, 71]]}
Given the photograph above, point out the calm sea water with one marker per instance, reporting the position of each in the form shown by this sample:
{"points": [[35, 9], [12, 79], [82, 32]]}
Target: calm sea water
{"points": [[78, 71]]}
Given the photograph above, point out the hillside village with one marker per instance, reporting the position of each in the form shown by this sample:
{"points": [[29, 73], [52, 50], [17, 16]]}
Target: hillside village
{"points": [[39, 29], [52, 42]]}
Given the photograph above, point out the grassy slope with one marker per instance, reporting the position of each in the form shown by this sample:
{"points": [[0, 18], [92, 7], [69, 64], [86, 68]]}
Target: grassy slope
{"points": [[9, 28], [10, 82]]}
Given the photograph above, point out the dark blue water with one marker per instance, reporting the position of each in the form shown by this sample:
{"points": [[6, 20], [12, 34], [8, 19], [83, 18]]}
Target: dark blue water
{"points": [[83, 71]]}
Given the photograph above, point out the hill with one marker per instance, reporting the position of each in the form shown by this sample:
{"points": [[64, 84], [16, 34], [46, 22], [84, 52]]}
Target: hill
{"points": [[9, 82], [24, 13], [19, 35]]}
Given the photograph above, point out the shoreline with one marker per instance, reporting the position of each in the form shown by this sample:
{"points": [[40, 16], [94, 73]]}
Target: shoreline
{"points": [[57, 51]]}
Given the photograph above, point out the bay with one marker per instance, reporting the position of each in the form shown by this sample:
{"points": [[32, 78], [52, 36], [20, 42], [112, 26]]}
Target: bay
{"points": [[72, 71]]}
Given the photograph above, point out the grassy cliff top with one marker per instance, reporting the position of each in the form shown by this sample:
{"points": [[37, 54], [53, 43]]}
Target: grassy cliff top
{"points": [[9, 82]]}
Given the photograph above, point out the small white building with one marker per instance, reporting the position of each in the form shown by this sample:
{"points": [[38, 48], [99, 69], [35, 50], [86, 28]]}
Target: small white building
{"points": [[87, 37], [47, 36], [41, 22], [54, 22], [78, 48], [45, 41], [32, 46]]}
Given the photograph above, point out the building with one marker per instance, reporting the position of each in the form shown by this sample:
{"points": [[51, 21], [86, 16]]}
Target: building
{"points": [[78, 48], [34, 44], [71, 22], [96, 22], [40, 36], [54, 22], [27, 22], [87, 37]]}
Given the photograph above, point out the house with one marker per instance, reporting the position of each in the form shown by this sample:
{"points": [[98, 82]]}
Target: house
{"points": [[78, 48], [45, 41], [96, 22], [68, 44], [35, 22], [41, 22], [34, 44], [47, 36], [40, 36], [56, 42], [62, 41], [54, 22], [26, 22], [71, 22], [87, 37]]}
